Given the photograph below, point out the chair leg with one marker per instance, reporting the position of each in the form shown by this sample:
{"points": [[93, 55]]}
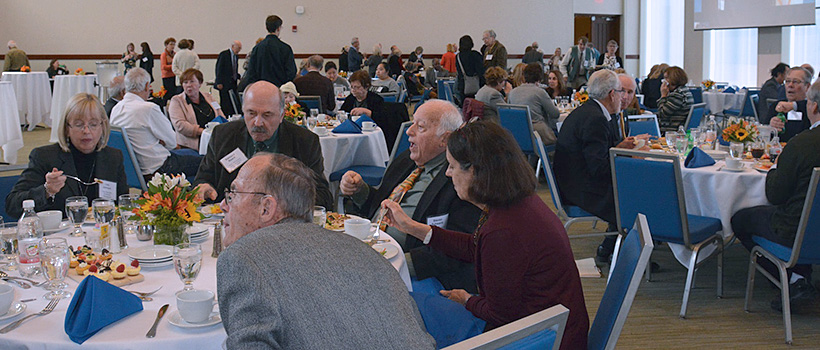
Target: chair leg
{"points": [[784, 296], [648, 273], [750, 280], [690, 277], [537, 168], [720, 269], [595, 224]]}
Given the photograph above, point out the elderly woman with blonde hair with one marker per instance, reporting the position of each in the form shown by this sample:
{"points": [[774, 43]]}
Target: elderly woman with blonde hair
{"points": [[81, 152]]}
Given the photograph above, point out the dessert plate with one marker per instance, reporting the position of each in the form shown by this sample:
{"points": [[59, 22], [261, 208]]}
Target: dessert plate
{"points": [[389, 250], [151, 253]]}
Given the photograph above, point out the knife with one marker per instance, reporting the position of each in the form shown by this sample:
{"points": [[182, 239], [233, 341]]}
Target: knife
{"points": [[153, 331]]}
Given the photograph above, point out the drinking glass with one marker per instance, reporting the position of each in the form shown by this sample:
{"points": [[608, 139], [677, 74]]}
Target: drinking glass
{"points": [[127, 204], [314, 112], [736, 149], [76, 208], [187, 262], [103, 210], [54, 261], [319, 215], [8, 246], [695, 137], [758, 149], [681, 143], [774, 151], [671, 137], [311, 122]]}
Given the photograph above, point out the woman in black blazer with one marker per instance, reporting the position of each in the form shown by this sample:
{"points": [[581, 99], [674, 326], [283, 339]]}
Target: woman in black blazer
{"points": [[468, 61], [81, 151], [361, 100]]}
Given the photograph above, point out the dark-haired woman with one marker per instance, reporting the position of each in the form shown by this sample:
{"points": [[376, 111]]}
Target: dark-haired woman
{"points": [[469, 62], [147, 59]]}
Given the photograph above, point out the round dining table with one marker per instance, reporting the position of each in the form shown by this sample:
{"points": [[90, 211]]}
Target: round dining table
{"points": [[33, 94], [66, 86], [11, 138], [717, 101], [47, 332]]}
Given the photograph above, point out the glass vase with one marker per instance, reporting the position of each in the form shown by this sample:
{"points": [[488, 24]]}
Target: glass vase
{"points": [[168, 234]]}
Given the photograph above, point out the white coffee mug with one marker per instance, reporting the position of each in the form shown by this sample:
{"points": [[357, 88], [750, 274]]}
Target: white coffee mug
{"points": [[50, 219], [733, 163], [320, 130], [195, 306], [368, 126], [357, 227], [6, 297]]}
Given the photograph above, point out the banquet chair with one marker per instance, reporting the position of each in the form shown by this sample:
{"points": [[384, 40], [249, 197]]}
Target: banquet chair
{"points": [[569, 214], [747, 109], [644, 124], [424, 97], [518, 120], [541, 330], [445, 92], [312, 102], [390, 96], [651, 184], [119, 140], [402, 142], [628, 265], [805, 250], [755, 101], [697, 94], [696, 112], [237, 108], [6, 184]]}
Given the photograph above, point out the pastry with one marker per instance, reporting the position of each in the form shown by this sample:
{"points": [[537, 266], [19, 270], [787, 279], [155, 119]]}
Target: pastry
{"points": [[118, 272], [81, 268], [134, 269]]}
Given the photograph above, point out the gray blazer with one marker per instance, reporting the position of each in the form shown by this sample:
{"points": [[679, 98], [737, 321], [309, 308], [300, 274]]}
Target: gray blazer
{"points": [[295, 285]]}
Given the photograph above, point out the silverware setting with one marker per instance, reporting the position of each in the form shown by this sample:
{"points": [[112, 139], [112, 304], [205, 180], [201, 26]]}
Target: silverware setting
{"points": [[145, 296], [25, 283], [47, 310], [153, 331]]}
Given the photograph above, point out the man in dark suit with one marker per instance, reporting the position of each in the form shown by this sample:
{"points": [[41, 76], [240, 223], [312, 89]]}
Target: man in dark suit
{"points": [[797, 82], [354, 57], [431, 198], [770, 87], [116, 90], [582, 152], [262, 130], [314, 84], [786, 185], [227, 76], [272, 59]]}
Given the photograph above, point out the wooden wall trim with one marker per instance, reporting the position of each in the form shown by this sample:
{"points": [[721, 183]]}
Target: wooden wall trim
{"points": [[210, 56]]}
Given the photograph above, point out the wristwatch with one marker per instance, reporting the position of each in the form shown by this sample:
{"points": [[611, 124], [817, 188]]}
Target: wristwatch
{"points": [[50, 197]]}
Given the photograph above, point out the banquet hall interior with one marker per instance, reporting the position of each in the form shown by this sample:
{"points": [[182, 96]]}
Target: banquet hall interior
{"points": [[730, 44]]}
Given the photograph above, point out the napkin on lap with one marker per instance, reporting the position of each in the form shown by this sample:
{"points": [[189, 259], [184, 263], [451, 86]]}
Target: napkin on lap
{"points": [[219, 119], [97, 304], [348, 127], [363, 119], [698, 158]]}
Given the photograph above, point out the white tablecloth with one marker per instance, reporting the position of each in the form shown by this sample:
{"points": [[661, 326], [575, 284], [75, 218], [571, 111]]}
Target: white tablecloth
{"points": [[11, 138], [719, 101], [33, 96], [47, 332], [65, 87], [339, 150]]}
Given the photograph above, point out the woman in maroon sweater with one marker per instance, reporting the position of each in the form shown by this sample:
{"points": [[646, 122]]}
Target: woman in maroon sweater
{"points": [[520, 249]]}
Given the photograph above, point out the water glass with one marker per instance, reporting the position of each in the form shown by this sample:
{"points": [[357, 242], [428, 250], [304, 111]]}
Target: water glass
{"points": [[696, 135], [671, 137], [128, 203], [8, 245], [681, 144], [103, 210], [314, 112], [187, 262], [76, 208], [319, 215], [311, 122], [736, 149], [54, 261]]}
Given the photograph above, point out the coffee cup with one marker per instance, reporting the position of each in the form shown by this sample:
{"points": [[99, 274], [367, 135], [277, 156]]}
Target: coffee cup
{"points": [[51, 219], [195, 306], [733, 163], [368, 126], [357, 227], [320, 130], [6, 297]]}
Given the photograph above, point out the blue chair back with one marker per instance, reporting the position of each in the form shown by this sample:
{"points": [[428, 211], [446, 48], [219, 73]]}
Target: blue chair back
{"points": [[630, 263], [6, 184], [696, 112], [516, 119], [424, 96], [644, 124], [748, 109], [390, 96], [445, 90], [651, 187], [806, 249], [119, 140], [312, 102], [755, 101], [402, 142], [541, 330], [697, 94]]}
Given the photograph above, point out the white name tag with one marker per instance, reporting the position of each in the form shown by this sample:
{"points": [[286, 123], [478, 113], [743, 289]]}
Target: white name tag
{"points": [[233, 160], [440, 221], [489, 57], [794, 115], [108, 190], [215, 105]]}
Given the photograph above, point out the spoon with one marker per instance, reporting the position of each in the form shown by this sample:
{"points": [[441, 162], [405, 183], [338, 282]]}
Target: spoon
{"points": [[5, 275]]}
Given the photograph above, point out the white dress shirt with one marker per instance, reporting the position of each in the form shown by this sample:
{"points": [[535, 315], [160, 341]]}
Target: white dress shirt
{"points": [[146, 126]]}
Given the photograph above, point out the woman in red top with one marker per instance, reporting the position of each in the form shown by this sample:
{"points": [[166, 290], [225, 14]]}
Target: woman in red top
{"points": [[522, 256], [165, 60], [448, 59]]}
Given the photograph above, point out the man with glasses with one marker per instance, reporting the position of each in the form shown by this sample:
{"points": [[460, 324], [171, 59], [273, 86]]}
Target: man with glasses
{"points": [[789, 117], [284, 282], [261, 130], [582, 153]]}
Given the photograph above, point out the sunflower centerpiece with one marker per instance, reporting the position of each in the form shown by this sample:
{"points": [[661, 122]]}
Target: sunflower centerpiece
{"points": [[582, 96], [740, 131], [294, 113], [169, 206]]}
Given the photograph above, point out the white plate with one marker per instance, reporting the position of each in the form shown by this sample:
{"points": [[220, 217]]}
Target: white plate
{"points": [[63, 225], [349, 216], [196, 228], [740, 170], [156, 265], [390, 250], [206, 210], [175, 319], [15, 309], [152, 252]]}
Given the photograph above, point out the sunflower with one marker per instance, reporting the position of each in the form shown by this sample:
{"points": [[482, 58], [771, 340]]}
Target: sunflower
{"points": [[741, 134]]}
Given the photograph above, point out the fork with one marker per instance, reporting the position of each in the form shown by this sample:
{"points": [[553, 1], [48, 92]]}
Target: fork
{"points": [[81, 181], [47, 310], [5, 275], [144, 294]]}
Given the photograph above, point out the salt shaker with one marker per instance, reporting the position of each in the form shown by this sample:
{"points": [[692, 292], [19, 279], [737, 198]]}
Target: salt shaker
{"points": [[217, 240], [121, 233], [114, 243]]}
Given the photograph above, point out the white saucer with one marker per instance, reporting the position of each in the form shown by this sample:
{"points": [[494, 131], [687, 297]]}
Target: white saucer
{"points": [[391, 250], [15, 309], [739, 170], [175, 319], [63, 225], [151, 253]]}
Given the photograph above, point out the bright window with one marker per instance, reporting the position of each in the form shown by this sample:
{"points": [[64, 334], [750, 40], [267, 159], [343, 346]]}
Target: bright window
{"points": [[730, 56], [802, 44], [662, 33]]}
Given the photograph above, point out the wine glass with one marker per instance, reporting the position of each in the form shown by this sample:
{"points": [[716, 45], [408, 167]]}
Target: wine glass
{"points": [[127, 203], [187, 262], [76, 208], [671, 137], [54, 261], [681, 144]]}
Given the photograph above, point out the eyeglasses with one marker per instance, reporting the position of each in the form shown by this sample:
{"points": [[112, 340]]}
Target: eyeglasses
{"points": [[229, 194], [80, 126], [356, 87], [619, 90], [790, 81]]}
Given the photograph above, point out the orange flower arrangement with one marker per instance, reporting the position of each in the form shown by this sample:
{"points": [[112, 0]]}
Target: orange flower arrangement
{"points": [[708, 84], [79, 71], [25, 69], [294, 113], [582, 96], [161, 93], [169, 201], [740, 131]]}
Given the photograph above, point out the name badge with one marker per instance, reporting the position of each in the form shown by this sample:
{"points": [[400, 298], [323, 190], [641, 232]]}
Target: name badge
{"points": [[233, 160], [489, 57], [108, 190], [794, 115], [215, 105], [440, 221]]}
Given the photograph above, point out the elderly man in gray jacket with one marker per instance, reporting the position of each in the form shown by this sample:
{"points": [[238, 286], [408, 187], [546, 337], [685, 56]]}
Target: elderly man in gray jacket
{"points": [[286, 283]]}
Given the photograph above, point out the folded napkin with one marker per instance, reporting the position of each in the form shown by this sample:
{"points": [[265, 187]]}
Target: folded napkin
{"points": [[219, 119], [363, 119], [698, 158], [348, 127], [729, 90], [97, 304]]}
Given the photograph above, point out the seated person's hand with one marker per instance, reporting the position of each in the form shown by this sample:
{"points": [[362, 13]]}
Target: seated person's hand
{"points": [[777, 123], [784, 107], [628, 143], [360, 111], [351, 183], [397, 218], [458, 295], [204, 191], [55, 180]]}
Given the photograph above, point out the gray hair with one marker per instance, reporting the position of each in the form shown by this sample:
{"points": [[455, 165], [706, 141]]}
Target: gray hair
{"points": [[806, 74], [354, 40], [291, 183], [449, 116], [316, 61], [490, 32], [601, 83], [116, 86], [136, 80], [814, 92], [281, 95], [377, 50], [11, 44]]}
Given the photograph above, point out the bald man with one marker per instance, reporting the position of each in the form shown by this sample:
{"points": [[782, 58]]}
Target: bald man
{"points": [[15, 58], [227, 76]]}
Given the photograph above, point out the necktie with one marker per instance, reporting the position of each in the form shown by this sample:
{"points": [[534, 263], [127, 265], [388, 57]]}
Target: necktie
{"points": [[259, 146], [623, 125], [402, 188], [233, 66]]}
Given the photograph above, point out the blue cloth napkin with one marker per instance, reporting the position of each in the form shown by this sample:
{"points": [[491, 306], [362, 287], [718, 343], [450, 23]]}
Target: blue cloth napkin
{"points": [[97, 304], [363, 118], [446, 320], [219, 119], [698, 158], [348, 127], [729, 90]]}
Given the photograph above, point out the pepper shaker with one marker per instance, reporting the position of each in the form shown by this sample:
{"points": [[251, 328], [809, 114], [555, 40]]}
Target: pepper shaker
{"points": [[217, 240], [121, 233]]}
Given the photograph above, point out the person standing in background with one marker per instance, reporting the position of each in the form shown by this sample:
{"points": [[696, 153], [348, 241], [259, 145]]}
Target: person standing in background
{"points": [[129, 57], [354, 57], [147, 59], [227, 76], [495, 54], [166, 59], [271, 59], [15, 58]]}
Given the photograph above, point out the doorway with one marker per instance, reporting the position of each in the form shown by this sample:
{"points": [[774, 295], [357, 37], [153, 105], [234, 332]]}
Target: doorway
{"points": [[599, 29]]}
